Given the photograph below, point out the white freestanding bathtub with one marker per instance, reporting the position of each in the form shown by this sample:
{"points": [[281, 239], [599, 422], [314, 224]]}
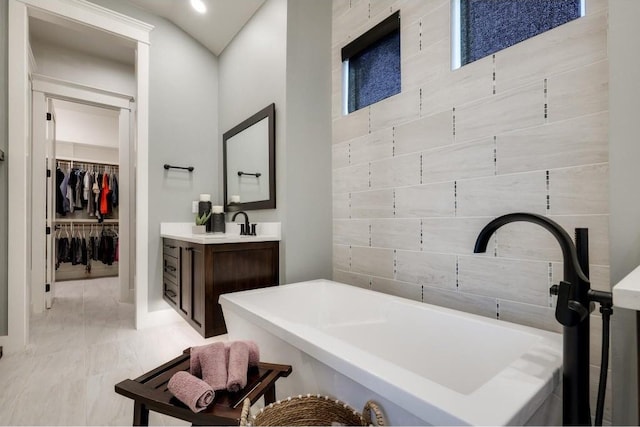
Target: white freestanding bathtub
{"points": [[424, 365]]}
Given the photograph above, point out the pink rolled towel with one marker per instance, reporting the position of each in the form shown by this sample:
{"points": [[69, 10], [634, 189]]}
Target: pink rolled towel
{"points": [[191, 391], [213, 363], [238, 366], [196, 369], [254, 352]]}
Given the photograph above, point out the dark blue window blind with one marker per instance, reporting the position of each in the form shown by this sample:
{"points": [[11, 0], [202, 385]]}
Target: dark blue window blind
{"points": [[488, 26], [374, 65]]}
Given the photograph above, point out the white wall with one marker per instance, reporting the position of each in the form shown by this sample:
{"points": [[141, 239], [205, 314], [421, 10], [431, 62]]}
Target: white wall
{"points": [[86, 133], [308, 133], [282, 56], [252, 76], [65, 64], [183, 130], [624, 153], [86, 125]]}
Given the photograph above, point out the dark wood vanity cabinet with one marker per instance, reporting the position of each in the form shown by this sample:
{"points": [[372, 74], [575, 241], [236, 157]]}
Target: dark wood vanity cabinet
{"points": [[195, 275]]}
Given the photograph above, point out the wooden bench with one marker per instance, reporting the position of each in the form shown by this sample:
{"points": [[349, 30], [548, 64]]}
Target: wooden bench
{"points": [[149, 392]]}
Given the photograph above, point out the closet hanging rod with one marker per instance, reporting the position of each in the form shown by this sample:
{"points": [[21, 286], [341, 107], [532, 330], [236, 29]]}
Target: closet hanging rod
{"points": [[91, 162], [87, 221], [187, 168]]}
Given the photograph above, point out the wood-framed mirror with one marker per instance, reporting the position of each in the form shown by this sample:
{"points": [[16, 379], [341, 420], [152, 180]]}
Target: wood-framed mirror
{"points": [[249, 162]]}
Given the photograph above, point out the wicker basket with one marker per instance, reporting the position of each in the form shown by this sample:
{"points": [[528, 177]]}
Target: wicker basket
{"points": [[311, 410]]}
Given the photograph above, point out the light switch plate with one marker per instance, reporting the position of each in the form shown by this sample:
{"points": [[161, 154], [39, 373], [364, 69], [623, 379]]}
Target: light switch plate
{"points": [[194, 207]]}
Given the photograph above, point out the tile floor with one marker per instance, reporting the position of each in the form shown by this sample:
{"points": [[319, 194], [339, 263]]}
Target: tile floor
{"points": [[78, 350]]}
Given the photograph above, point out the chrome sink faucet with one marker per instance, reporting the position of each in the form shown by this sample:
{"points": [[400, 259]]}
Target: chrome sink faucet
{"points": [[246, 229]]}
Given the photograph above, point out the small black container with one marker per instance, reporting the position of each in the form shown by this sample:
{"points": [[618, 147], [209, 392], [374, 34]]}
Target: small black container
{"points": [[204, 208], [218, 222]]}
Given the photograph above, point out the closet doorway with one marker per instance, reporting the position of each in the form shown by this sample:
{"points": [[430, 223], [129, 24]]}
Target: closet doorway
{"points": [[82, 199]]}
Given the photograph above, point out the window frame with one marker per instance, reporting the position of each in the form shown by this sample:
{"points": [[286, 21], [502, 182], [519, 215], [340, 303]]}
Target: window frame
{"points": [[360, 44], [456, 33]]}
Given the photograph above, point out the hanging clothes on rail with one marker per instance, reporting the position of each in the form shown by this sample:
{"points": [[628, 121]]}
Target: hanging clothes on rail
{"points": [[59, 195], [77, 249]]}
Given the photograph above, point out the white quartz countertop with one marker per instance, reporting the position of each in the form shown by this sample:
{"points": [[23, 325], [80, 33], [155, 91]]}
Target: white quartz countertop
{"points": [[626, 293], [265, 232]]}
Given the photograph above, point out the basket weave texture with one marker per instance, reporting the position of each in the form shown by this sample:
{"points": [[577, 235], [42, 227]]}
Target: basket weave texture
{"points": [[311, 410]]}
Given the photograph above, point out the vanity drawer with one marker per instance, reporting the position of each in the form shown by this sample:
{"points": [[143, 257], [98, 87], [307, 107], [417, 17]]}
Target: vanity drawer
{"points": [[171, 267], [170, 291], [170, 247]]}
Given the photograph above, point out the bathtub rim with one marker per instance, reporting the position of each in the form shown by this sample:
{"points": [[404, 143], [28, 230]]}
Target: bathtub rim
{"points": [[440, 404]]}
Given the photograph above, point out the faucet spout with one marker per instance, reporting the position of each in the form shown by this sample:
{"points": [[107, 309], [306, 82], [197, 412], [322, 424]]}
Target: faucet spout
{"points": [[244, 231], [570, 255]]}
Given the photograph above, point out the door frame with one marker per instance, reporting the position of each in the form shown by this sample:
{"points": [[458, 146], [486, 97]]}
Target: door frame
{"points": [[19, 148], [44, 88]]}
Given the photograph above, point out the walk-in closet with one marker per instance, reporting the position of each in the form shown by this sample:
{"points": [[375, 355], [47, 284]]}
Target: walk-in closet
{"points": [[87, 188], [86, 226]]}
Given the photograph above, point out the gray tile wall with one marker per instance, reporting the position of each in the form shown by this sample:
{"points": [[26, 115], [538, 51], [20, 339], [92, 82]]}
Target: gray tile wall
{"points": [[416, 176]]}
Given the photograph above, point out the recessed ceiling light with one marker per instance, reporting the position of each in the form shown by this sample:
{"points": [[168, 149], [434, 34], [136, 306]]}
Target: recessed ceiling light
{"points": [[199, 6]]}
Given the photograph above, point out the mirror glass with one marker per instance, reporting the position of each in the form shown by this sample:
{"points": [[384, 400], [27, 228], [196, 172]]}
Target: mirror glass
{"points": [[249, 163]]}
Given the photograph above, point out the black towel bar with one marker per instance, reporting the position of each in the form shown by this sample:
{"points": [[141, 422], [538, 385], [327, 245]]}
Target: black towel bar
{"points": [[188, 168]]}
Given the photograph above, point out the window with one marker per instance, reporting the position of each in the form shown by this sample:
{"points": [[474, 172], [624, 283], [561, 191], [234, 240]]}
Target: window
{"points": [[484, 27], [371, 65]]}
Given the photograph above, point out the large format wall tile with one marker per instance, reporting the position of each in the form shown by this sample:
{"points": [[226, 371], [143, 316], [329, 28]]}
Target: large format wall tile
{"points": [[395, 110], [530, 315], [579, 92], [434, 270], [401, 289], [515, 109], [342, 257], [429, 200], [351, 178], [427, 67], [340, 155], [372, 261], [341, 205], [373, 204], [579, 141], [350, 23], [351, 126], [396, 172], [454, 235], [455, 88], [428, 132], [498, 195], [374, 146], [396, 233], [476, 304], [351, 232], [359, 280], [515, 280], [459, 161], [579, 190]]}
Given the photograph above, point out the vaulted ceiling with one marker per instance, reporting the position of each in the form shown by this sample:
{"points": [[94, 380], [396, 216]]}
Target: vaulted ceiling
{"points": [[215, 28]]}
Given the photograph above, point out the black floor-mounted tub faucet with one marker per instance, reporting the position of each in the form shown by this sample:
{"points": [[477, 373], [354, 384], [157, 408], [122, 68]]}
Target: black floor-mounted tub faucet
{"points": [[572, 311]]}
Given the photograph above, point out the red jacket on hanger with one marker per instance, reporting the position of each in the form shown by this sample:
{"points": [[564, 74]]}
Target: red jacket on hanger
{"points": [[104, 193]]}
